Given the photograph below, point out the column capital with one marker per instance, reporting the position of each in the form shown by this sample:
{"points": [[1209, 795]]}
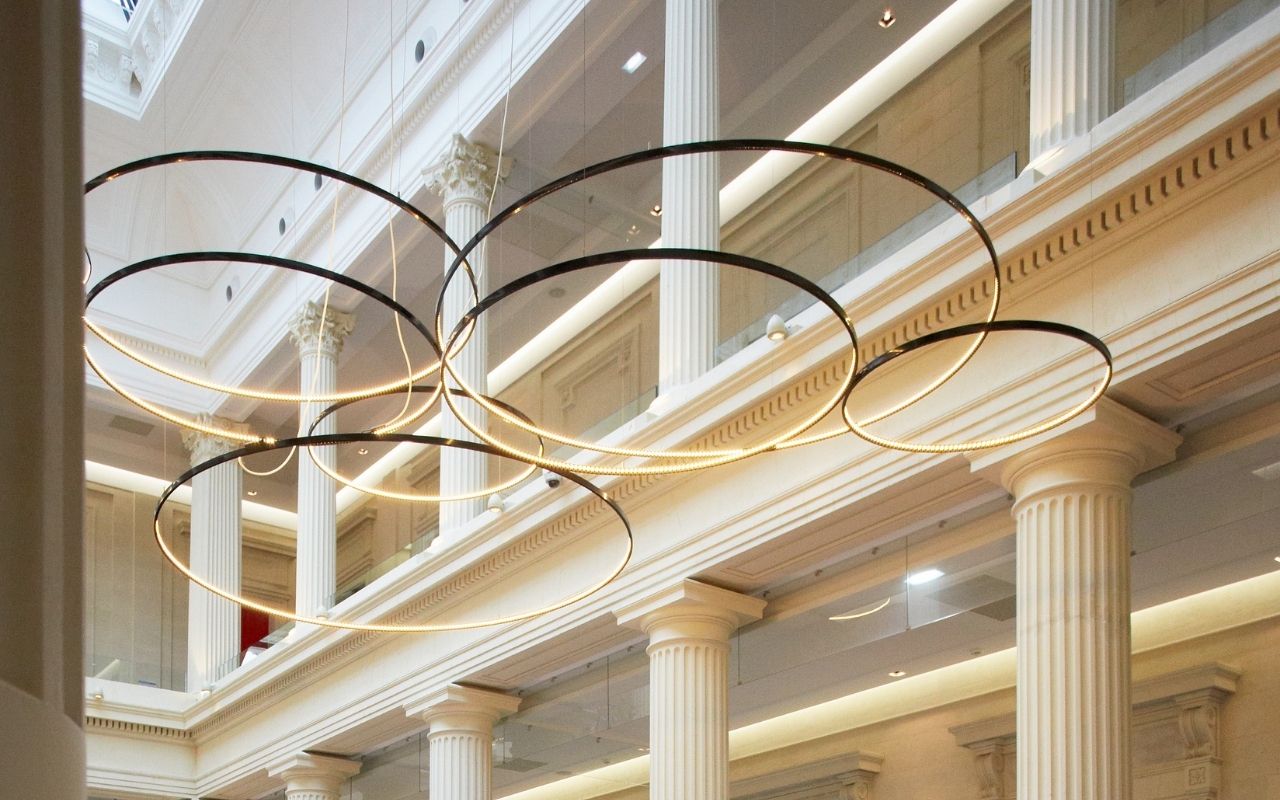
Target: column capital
{"points": [[462, 708], [690, 609], [467, 172], [314, 327], [204, 446], [313, 775], [1108, 444]]}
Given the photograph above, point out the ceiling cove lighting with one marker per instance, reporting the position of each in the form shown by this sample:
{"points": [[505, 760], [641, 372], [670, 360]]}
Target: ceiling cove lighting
{"points": [[924, 576], [613, 459], [634, 63]]}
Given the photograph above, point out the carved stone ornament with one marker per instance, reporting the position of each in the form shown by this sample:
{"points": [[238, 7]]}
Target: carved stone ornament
{"points": [[468, 171], [316, 327]]}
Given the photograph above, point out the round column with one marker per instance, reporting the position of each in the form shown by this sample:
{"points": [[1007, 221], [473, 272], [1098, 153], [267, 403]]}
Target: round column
{"points": [[460, 740], [1071, 502], [689, 626], [309, 776], [465, 178], [41, 550], [1072, 64], [213, 623], [689, 293], [319, 333]]}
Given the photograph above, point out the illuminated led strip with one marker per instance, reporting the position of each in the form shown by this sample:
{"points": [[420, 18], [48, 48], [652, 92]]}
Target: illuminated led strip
{"points": [[1014, 325], [382, 627], [259, 259], [710, 457], [697, 459], [864, 612], [413, 497]]}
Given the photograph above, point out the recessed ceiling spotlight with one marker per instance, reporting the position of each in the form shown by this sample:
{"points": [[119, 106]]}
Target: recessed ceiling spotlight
{"points": [[364, 451], [656, 210], [252, 492], [1277, 558], [634, 63], [556, 292], [924, 576], [897, 673], [887, 18]]}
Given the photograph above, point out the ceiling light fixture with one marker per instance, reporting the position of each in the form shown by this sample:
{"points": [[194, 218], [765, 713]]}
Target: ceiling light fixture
{"points": [[496, 504], [252, 492], [655, 210], [924, 576], [897, 673], [887, 18], [363, 451], [634, 63], [776, 329]]}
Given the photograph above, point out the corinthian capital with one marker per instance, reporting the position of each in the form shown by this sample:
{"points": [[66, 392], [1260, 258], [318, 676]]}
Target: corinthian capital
{"points": [[315, 327], [467, 172], [204, 446]]}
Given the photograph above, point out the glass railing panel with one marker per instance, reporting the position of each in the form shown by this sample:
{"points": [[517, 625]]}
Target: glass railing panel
{"points": [[1157, 38], [991, 179]]}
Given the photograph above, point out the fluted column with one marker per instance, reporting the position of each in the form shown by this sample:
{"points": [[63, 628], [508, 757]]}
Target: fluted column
{"points": [[689, 293], [460, 739], [310, 776], [1072, 493], [464, 179], [42, 405], [213, 623], [1072, 64], [319, 333], [689, 626]]}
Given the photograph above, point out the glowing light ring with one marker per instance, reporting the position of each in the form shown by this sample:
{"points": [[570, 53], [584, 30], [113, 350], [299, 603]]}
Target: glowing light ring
{"points": [[740, 145], [240, 156], [434, 391], [346, 438], [1018, 325], [699, 459], [245, 258]]}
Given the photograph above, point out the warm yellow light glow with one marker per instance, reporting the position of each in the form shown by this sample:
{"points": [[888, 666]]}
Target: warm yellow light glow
{"points": [[864, 611]]}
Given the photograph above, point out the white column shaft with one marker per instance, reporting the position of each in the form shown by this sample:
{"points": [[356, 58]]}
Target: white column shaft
{"points": [[689, 291], [689, 719], [1072, 58], [317, 492], [1073, 643], [213, 623], [42, 472], [460, 765], [462, 471]]}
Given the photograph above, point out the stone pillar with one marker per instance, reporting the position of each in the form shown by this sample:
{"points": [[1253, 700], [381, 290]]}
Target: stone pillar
{"points": [[689, 293], [213, 623], [1071, 489], [464, 179], [319, 333], [42, 470], [311, 776], [460, 739], [1072, 61], [688, 626]]}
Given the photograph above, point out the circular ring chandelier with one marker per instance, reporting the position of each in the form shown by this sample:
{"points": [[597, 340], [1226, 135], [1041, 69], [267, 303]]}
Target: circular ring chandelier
{"points": [[450, 388], [329, 440]]}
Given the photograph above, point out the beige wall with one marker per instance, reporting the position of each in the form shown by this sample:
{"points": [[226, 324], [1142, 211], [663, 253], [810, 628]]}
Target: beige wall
{"points": [[136, 603]]}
